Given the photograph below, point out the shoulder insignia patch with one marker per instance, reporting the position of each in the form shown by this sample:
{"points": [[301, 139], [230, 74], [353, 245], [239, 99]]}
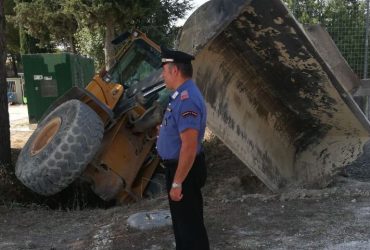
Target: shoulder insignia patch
{"points": [[189, 113], [184, 95]]}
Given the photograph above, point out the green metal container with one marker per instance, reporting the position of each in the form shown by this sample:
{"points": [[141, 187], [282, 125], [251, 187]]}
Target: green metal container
{"points": [[49, 76]]}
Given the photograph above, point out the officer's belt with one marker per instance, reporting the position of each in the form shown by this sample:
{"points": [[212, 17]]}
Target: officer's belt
{"points": [[173, 162]]}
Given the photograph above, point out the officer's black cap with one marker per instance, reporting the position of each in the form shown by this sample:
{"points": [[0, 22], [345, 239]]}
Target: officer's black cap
{"points": [[175, 56]]}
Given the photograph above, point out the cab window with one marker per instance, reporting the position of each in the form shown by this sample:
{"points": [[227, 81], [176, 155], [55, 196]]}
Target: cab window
{"points": [[137, 63]]}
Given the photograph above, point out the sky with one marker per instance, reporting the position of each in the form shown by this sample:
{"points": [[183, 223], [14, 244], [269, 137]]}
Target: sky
{"points": [[196, 4]]}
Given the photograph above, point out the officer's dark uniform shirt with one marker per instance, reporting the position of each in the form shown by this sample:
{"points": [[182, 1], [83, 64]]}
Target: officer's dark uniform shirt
{"points": [[186, 109]]}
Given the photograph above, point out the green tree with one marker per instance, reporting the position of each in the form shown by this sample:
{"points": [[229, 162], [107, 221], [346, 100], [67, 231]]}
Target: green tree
{"points": [[88, 27], [90, 43], [155, 17], [107, 15], [343, 19], [160, 24], [12, 32], [31, 45], [345, 22], [307, 11], [12, 37], [4, 114], [47, 22]]}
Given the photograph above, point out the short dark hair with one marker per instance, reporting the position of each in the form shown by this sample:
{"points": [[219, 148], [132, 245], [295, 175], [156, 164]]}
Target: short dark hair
{"points": [[186, 69]]}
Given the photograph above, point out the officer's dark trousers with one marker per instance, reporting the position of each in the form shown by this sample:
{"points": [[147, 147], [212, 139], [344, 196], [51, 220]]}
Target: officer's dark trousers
{"points": [[187, 214]]}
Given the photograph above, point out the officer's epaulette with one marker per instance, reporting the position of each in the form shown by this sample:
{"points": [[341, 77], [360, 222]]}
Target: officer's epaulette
{"points": [[174, 95]]}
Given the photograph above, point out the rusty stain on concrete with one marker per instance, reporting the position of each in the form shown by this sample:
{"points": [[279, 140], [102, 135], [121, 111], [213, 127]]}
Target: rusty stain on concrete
{"points": [[271, 97]]}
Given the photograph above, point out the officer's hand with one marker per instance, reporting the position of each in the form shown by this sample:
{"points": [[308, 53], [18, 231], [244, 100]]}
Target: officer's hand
{"points": [[176, 194]]}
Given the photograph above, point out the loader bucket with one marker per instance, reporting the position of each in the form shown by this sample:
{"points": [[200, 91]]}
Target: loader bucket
{"points": [[271, 95]]}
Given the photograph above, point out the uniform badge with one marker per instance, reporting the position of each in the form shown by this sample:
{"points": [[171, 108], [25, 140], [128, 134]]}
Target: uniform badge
{"points": [[189, 113], [184, 95], [174, 95]]}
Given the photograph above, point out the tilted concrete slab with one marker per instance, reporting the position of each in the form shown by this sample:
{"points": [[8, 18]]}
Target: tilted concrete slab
{"points": [[272, 97]]}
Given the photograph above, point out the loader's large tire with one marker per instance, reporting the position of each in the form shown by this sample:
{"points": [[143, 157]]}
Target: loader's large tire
{"points": [[60, 148]]}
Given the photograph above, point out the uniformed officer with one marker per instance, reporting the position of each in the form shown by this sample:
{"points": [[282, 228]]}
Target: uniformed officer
{"points": [[179, 146]]}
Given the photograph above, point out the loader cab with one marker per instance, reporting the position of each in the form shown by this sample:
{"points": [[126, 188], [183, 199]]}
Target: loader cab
{"points": [[138, 60]]}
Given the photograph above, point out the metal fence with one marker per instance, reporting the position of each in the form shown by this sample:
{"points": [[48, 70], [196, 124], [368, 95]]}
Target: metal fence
{"points": [[346, 21]]}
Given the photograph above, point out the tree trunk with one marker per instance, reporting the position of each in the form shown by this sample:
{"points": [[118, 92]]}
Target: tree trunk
{"points": [[4, 114], [73, 44], [14, 65], [108, 46]]}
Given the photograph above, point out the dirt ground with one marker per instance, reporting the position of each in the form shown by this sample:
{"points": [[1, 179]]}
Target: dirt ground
{"points": [[240, 213]]}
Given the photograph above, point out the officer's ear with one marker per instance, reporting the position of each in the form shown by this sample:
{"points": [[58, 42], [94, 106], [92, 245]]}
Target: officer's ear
{"points": [[176, 68], [171, 67]]}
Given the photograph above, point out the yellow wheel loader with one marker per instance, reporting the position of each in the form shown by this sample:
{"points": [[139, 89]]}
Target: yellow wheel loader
{"points": [[104, 133]]}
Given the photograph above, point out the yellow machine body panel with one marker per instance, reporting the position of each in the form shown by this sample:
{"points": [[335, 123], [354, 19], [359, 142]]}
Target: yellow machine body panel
{"points": [[108, 94]]}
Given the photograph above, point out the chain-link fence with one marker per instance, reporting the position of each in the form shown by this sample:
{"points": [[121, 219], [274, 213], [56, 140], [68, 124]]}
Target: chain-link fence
{"points": [[345, 20]]}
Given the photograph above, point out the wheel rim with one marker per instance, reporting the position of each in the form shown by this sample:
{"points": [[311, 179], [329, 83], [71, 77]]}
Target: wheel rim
{"points": [[46, 135]]}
